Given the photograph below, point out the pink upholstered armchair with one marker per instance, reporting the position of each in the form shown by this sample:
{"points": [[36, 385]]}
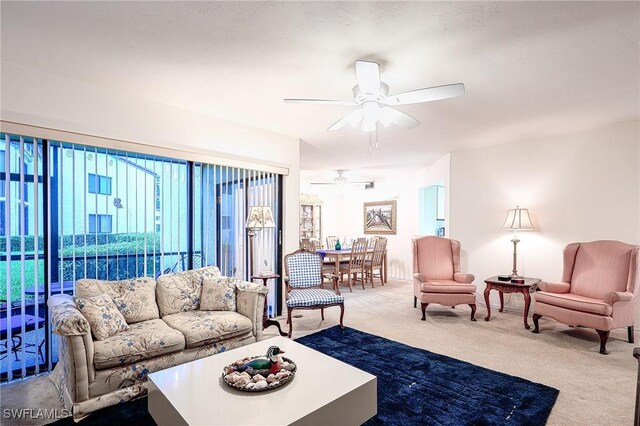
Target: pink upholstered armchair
{"points": [[437, 277], [599, 289]]}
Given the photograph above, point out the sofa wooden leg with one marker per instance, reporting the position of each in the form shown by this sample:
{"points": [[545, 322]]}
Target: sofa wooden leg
{"points": [[536, 325], [289, 310], [341, 315], [322, 313], [630, 334], [604, 336], [424, 309], [415, 302], [473, 311]]}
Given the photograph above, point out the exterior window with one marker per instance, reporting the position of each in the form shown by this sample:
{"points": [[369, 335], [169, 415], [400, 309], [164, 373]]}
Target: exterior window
{"points": [[99, 184], [100, 223]]}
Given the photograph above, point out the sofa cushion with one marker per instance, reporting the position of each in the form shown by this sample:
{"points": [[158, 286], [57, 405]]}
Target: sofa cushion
{"points": [[181, 292], [574, 302], [446, 286], [104, 318], [135, 298], [218, 294], [203, 327], [142, 340]]}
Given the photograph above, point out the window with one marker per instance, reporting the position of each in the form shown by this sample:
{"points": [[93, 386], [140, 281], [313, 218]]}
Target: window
{"points": [[159, 215], [99, 184], [100, 223]]}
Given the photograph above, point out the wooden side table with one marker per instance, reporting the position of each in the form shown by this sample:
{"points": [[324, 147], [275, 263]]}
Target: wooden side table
{"points": [[502, 287], [266, 321]]}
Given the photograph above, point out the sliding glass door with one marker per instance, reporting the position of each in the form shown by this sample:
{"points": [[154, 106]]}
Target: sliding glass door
{"points": [[227, 193], [112, 215], [22, 256]]}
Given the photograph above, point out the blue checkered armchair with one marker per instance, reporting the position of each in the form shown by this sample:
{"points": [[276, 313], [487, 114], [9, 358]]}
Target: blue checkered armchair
{"points": [[304, 285]]}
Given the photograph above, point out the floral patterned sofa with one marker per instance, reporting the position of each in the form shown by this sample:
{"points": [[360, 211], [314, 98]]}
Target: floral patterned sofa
{"points": [[166, 328]]}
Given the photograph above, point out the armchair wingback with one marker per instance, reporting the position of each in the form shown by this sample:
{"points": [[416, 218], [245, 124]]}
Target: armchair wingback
{"points": [[599, 289], [436, 275]]}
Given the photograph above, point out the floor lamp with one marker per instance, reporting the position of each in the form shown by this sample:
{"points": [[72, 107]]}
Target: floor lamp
{"points": [[259, 218], [517, 220]]}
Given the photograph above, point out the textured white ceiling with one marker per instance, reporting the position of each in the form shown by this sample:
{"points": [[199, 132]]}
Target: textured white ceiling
{"points": [[531, 69]]}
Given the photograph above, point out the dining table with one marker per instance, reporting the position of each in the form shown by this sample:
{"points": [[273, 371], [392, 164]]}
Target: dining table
{"points": [[344, 254]]}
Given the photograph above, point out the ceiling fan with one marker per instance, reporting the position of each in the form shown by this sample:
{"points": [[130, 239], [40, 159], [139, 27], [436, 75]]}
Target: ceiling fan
{"points": [[372, 96], [341, 180]]}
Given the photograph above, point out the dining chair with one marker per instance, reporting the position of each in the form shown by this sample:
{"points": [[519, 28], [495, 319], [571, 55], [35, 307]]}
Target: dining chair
{"points": [[375, 263], [331, 242], [309, 245], [304, 285], [356, 262]]}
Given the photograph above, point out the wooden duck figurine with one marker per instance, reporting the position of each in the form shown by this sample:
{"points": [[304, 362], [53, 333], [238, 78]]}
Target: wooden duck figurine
{"points": [[269, 364]]}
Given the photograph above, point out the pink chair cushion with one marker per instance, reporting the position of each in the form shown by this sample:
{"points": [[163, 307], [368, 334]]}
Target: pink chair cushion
{"points": [[601, 267], [435, 258], [574, 302], [446, 286]]}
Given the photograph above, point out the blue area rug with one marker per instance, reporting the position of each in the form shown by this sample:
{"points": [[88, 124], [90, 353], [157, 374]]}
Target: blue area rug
{"points": [[435, 389]]}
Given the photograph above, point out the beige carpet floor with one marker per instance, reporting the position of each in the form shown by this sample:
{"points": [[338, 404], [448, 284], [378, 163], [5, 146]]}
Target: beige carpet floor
{"points": [[594, 389]]}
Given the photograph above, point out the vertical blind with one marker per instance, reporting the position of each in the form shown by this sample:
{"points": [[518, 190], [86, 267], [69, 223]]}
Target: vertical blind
{"points": [[110, 214], [227, 193]]}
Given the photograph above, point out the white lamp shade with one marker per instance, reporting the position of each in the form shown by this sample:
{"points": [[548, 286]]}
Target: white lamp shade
{"points": [[260, 217], [518, 220]]}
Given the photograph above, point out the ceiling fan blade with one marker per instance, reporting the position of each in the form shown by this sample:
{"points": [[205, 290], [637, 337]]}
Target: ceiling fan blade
{"points": [[426, 95], [320, 102], [391, 115], [353, 118], [323, 183], [368, 77]]}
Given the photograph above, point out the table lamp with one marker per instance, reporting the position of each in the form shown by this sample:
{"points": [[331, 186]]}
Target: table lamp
{"points": [[260, 217], [517, 220]]}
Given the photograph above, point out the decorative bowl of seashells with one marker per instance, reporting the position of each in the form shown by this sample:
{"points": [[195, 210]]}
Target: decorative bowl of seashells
{"points": [[260, 373]]}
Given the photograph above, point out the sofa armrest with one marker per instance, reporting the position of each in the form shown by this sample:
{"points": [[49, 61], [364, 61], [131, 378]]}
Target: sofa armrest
{"points": [[75, 349], [420, 277], [617, 296], [66, 318], [553, 287], [250, 302], [463, 278]]}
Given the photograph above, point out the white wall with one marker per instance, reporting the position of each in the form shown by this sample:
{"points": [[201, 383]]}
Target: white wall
{"points": [[578, 187], [342, 215], [42, 99]]}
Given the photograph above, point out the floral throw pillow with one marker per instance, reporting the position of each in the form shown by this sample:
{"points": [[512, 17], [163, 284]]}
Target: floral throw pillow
{"points": [[218, 294], [103, 315]]}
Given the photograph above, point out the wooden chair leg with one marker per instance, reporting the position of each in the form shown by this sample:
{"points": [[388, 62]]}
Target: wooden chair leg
{"points": [[415, 302], [322, 313], [349, 282], [289, 310], [473, 311], [424, 309], [630, 334], [336, 286], [362, 274], [604, 336], [341, 315], [536, 325]]}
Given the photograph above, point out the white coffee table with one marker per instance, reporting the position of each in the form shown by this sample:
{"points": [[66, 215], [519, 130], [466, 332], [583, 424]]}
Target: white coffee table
{"points": [[325, 391]]}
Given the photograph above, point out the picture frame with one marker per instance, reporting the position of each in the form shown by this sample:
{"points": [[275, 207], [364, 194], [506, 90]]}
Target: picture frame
{"points": [[380, 217]]}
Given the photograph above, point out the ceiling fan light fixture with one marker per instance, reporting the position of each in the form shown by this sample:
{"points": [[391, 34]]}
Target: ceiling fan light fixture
{"points": [[371, 111]]}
